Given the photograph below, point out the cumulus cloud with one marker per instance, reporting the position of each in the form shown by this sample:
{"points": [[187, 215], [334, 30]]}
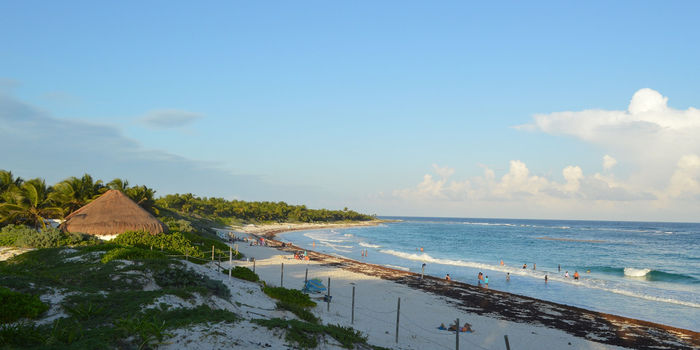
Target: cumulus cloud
{"points": [[168, 118], [650, 136], [609, 162], [519, 185]]}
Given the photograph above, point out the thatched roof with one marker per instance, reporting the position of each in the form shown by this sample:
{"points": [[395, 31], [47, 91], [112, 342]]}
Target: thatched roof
{"points": [[110, 214]]}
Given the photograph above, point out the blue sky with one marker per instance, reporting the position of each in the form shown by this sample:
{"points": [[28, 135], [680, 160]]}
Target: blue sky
{"points": [[336, 104]]}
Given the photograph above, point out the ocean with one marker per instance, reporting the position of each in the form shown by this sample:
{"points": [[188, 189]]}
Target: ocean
{"points": [[643, 270]]}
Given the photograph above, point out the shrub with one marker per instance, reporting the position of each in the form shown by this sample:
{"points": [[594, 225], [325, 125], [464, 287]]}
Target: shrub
{"points": [[23, 236], [21, 334], [290, 296], [299, 311], [15, 305], [131, 253], [179, 278], [244, 273], [172, 242]]}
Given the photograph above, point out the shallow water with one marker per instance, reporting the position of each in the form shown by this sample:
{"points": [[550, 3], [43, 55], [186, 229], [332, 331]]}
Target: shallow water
{"points": [[649, 271]]}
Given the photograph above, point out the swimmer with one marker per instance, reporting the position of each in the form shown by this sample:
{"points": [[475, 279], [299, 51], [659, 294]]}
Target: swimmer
{"points": [[524, 266]]}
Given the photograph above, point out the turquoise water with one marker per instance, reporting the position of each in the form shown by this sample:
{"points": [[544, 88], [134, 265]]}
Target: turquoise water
{"points": [[644, 270]]}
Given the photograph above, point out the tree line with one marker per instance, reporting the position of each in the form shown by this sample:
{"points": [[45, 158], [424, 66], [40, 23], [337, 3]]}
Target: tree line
{"points": [[29, 202], [254, 211]]}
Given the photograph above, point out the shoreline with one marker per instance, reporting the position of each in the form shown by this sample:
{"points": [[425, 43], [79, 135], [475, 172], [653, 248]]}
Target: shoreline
{"points": [[591, 325]]}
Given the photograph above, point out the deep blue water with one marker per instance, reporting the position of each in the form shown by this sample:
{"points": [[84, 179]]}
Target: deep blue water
{"points": [[644, 270]]}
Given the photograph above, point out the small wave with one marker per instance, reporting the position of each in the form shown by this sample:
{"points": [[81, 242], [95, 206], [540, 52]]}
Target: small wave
{"points": [[397, 267], [368, 245], [570, 239], [347, 235], [632, 272]]}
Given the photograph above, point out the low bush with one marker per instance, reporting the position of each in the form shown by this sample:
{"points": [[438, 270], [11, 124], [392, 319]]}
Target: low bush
{"points": [[244, 273], [20, 334], [26, 237], [188, 244], [179, 278], [306, 335], [15, 305], [131, 253], [290, 296], [299, 311]]}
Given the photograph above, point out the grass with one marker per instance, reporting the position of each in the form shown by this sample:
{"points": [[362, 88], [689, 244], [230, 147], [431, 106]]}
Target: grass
{"points": [[289, 296], [243, 273], [306, 335], [103, 300], [15, 305]]}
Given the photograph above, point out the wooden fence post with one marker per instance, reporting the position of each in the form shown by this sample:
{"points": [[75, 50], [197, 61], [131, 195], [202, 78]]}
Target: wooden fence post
{"points": [[306, 276], [457, 323], [507, 343], [282, 276], [328, 303], [352, 315], [212, 252], [398, 311]]}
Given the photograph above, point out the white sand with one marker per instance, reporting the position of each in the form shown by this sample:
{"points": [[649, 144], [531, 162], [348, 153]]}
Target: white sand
{"points": [[421, 313]]}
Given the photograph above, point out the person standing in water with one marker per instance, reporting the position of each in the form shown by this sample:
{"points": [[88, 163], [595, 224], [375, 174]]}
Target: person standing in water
{"points": [[507, 276], [534, 266], [486, 281], [545, 278], [566, 274], [576, 275], [559, 267]]}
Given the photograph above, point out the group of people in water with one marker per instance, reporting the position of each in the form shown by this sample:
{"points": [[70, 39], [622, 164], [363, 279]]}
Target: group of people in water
{"points": [[483, 280]]}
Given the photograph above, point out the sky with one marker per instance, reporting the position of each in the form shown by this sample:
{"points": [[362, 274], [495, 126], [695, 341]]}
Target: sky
{"points": [[539, 110]]}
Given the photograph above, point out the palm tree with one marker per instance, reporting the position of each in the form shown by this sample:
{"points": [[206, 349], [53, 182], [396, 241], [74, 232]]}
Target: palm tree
{"points": [[144, 197], [9, 185], [30, 205], [118, 184], [73, 193]]}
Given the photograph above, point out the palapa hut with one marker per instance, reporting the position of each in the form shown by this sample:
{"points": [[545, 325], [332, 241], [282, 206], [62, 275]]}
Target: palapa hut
{"points": [[111, 214]]}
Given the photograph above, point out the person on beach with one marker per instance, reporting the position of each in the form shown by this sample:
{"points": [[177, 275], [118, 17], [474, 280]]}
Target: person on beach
{"points": [[576, 275], [448, 278], [486, 281], [566, 275], [467, 328]]}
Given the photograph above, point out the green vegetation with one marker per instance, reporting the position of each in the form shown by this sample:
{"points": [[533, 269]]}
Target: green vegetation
{"points": [[290, 296], [244, 273], [104, 300], [242, 211], [29, 202], [14, 305], [176, 243], [300, 311], [26, 237], [306, 335], [131, 253]]}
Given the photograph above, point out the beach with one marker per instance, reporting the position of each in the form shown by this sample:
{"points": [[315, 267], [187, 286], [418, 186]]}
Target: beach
{"points": [[529, 323]]}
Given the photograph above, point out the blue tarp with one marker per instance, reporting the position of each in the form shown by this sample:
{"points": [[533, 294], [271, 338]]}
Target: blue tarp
{"points": [[314, 286]]}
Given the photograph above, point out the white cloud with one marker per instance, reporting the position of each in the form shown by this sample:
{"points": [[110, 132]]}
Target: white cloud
{"points": [[518, 185], [609, 162], [168, 118], [685, 182], [650, 136]]}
